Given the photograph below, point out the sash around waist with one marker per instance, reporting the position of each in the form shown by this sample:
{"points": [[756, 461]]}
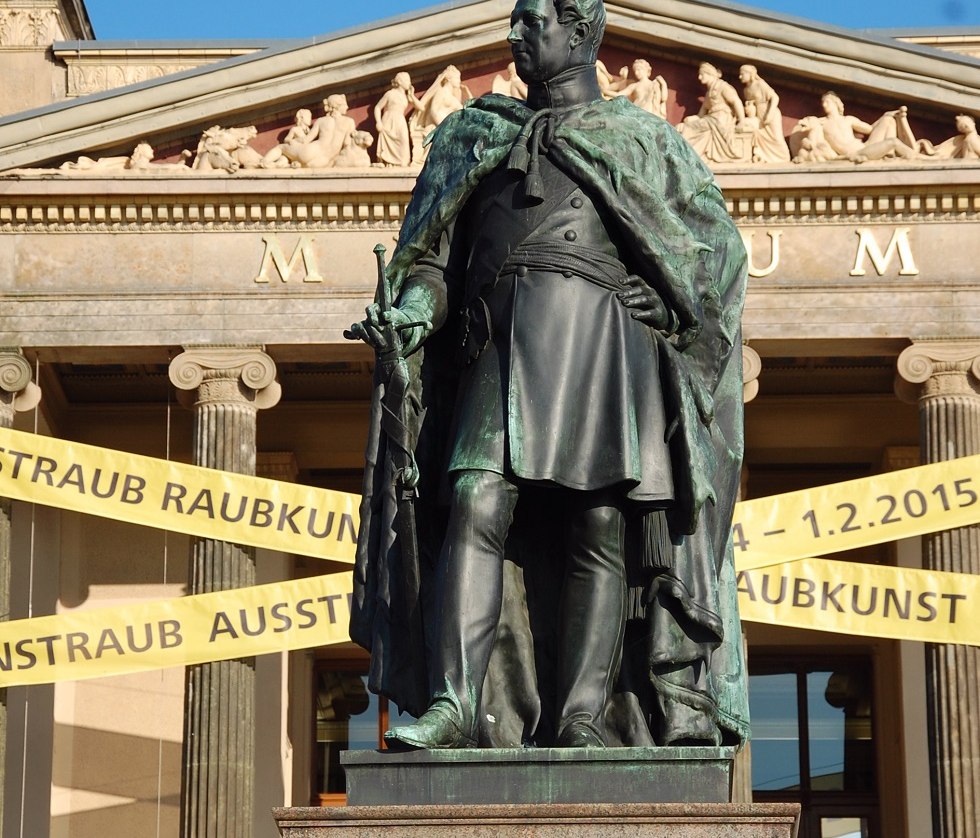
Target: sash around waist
{"points": [[589, 263]]}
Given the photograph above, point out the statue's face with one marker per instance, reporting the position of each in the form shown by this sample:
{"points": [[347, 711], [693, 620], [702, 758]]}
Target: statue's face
{"points": [[541, 46]]}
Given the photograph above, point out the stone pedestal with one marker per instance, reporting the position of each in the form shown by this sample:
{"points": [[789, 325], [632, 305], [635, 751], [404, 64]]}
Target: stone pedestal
{"points": [[486, 776], [583, 820]]}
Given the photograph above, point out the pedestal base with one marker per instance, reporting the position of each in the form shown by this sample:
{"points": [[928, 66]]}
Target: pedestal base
{"points": [[482, 776], [630, 820]]}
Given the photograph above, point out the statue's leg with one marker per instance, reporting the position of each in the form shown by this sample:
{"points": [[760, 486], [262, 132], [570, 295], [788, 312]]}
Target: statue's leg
{"points": [[592, 617], [471, 590]]}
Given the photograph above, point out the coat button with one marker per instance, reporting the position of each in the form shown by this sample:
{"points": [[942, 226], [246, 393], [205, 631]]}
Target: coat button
{"points": [[570, 235], [577, 202], [521, 270]]}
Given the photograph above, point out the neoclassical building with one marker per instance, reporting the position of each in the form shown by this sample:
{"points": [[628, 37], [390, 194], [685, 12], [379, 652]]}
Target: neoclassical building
{"points": [[166, 206]]}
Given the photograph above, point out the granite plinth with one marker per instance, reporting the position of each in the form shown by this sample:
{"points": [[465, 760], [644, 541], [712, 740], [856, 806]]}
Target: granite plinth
{"points": [[479, 776], [629, 820]]}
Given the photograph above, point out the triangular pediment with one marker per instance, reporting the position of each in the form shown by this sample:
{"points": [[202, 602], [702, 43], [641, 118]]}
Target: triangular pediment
{"points": [[800, 59]]}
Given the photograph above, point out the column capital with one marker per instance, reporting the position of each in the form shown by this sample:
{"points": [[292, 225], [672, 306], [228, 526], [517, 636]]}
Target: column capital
{"points": [[751, 369], [940, 368], [226, 374], [16, 385]]}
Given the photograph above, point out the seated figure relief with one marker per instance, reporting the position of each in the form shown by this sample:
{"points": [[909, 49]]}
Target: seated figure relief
{"points": [[647, 92], [840, 136], [712, 130]]}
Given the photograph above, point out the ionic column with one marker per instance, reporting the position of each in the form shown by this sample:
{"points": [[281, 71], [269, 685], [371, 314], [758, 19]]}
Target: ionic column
{"points": [[742, 769], [226, 387], [17, 393], [948, 377]]}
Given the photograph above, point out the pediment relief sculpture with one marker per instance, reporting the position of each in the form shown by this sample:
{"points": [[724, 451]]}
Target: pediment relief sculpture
{"points": [[840, 136], [446, 95], [712, 130], [141, 160], [510, 85], [728, 128], [391, 122], [965, 145], [646, 91], [763, 117]]}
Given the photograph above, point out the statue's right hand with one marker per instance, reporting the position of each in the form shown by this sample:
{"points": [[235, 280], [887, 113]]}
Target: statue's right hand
{"points": [[373, 329]]}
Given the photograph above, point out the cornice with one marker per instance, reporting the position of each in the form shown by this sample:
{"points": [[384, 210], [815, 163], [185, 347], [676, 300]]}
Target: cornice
{"points": [[883, 194]]}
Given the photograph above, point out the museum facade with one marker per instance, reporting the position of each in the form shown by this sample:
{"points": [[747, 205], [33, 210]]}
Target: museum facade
{"points": [[186, 229]]}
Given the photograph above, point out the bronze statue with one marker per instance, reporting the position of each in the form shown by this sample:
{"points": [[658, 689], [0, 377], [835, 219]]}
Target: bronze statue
{"points": [[544, 555]]}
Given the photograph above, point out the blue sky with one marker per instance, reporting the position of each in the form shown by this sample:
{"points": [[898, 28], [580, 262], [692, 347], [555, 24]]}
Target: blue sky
{"points": [[192, 19]]}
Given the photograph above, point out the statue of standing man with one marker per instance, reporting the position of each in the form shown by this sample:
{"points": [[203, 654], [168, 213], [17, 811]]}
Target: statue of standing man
{"points": [[568, 289]]}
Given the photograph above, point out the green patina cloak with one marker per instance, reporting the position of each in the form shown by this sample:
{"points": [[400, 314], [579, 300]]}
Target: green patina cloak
{"points": [[670, 213]]}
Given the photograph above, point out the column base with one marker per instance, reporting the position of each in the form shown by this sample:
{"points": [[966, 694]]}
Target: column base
{"points": [[594, 820]]}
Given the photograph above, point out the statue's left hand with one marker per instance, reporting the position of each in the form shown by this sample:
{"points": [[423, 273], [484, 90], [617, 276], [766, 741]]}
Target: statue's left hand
{"points": [[644, 303]]}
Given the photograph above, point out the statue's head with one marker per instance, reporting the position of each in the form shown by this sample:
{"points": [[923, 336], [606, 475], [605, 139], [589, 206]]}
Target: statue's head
{"points": [[966, 124], [832, 104], [708, 73], [549, 36], [335, 103]]}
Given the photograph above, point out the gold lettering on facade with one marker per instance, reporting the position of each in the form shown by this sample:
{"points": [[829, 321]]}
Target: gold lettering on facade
{"points": [[868, 247], [274, 257], [774, 237]]}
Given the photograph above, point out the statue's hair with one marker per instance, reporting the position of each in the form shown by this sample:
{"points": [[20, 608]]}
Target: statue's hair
{"points": [[750, 68], [334, 102], [711, 68], [643, 63], [592, 12]]}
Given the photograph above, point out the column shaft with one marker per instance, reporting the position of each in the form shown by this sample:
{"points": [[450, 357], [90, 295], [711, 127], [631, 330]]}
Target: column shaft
{"points": [[219, 721], [17, 392], [949, 410]]}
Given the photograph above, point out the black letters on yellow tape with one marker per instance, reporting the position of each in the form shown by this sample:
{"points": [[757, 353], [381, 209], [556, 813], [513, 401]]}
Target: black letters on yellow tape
{"points": [[867, 600], [857, 513], [193, 500], [178, 632], [315, 522], [818, 594]]}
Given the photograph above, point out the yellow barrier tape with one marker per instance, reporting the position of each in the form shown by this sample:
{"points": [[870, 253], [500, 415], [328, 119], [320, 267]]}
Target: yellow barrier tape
{"points": [[178, 632], [866, 600], [193, 500], [318, 522], [816, 594], [857, 513]]}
